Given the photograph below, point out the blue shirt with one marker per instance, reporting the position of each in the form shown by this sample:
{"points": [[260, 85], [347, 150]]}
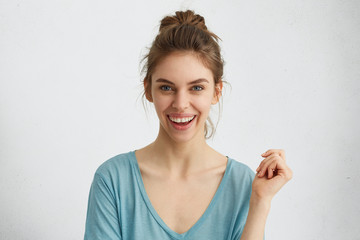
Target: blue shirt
{"points": [[119, 208]]}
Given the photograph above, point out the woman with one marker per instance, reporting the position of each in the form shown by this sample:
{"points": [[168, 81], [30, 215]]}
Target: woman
{"points": [[178, 187]]}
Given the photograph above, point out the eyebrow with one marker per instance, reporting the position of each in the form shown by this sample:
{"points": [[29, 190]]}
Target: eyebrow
{"points": [[200, 80]]}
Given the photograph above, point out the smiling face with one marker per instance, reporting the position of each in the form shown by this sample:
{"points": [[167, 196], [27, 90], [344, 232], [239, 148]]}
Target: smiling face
{"points": [[182, 90]]}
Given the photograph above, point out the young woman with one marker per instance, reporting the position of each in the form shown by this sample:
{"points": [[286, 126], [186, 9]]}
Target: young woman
{"points": [[178, 187]]}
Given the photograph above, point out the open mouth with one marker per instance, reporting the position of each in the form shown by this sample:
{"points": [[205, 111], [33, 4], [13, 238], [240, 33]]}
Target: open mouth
{"points": [[181, 121]]}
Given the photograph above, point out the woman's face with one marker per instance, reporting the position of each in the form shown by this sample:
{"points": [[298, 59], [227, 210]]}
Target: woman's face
{"points": [[182, 91]]}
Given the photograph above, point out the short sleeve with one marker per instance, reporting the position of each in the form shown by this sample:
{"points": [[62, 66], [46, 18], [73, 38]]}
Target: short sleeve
{"points": [[102, 216]]}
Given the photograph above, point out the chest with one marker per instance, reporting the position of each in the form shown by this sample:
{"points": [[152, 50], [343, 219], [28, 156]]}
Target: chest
{"points": [[181, 203]]}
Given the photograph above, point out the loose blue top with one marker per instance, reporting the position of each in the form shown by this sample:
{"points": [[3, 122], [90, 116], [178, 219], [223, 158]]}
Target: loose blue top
{"points": [[119, 208]]}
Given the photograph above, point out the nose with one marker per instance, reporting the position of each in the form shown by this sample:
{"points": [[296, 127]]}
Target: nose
{"points": [[181, 101]]}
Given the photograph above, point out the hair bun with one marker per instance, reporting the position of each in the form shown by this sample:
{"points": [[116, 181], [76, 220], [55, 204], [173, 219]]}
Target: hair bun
{"points": [[183, 18]]}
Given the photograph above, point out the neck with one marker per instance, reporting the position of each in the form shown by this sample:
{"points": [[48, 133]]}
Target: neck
{"points": [[180, 157]]}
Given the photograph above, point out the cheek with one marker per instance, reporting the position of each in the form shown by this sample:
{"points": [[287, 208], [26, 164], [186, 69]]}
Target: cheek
{"points": [[203, 104], [161, 104]]}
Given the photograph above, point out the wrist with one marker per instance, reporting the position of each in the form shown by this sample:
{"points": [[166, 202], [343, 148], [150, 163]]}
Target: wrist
{"points": [[260, 203]]}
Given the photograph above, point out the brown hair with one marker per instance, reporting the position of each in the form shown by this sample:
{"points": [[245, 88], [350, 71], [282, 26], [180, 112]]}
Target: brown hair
{"points": [[185, 31]]}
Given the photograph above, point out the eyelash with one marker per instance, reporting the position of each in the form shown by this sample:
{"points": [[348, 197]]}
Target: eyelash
{"points": [[202, 88], [164, 86], [169, 88]]}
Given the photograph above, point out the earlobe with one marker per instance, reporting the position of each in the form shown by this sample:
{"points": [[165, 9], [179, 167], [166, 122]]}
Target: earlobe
{"points": [[217, 92], [147, 91], [148, 96]]}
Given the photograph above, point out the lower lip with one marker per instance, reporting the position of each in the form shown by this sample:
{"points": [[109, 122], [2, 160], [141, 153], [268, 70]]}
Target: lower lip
{"points": [[181, 127]]}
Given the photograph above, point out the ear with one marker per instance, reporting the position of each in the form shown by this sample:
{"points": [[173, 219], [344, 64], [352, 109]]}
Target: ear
{"points": [[147, 90], [217, 92]]}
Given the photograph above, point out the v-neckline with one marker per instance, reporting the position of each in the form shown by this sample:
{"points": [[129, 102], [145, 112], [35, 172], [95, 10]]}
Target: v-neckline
{"points": [[157, 216]]}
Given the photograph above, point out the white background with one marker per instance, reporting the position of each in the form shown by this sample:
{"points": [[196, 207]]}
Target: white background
{"points": [[70, 99]]}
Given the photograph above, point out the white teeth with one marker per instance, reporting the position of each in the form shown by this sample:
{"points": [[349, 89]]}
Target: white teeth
{"points": [[181, 120]]}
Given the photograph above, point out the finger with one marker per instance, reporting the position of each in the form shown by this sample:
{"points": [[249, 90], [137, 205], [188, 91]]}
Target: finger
{"points": [[283, 171], [270, 151], [266, 161], [271, 162], [260, 166], [281, 153], [281, 178], [262, 163], [272, 170]]}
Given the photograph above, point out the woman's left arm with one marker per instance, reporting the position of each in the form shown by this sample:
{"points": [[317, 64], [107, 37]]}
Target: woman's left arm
{"points": [[272, 174]]}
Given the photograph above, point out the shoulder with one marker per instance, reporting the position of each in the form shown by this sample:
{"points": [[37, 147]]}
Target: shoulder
{"points": [[115, 166], [238, 186], [241, 167], [240, 171]]}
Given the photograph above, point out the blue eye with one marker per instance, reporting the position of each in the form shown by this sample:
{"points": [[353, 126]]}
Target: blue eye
{"points": [[165, 88], [198, 88]]}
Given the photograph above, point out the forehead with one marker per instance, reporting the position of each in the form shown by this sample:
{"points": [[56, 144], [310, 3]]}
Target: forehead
{"points": [[182, 67]]}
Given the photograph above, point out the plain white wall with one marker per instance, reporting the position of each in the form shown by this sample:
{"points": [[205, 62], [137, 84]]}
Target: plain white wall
{"points": [[69, 100]]}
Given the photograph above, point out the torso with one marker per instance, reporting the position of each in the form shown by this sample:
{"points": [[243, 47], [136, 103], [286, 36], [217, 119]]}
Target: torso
{"points": [[180, 202]]}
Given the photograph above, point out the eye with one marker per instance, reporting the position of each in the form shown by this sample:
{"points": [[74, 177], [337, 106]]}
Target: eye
{"points": [[165, 88], [197, 88]]}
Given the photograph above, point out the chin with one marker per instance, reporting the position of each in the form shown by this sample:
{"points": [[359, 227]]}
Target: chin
{"points": [[182, 139], [182, 136]]}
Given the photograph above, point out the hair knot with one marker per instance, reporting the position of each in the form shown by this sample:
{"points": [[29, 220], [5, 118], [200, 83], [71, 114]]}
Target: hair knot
{"points": [[183, 18]]}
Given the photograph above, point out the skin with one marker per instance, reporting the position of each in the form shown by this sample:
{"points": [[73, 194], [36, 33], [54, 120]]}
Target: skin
{"points": [[181, 69], [272, 175], [182, 160]]}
